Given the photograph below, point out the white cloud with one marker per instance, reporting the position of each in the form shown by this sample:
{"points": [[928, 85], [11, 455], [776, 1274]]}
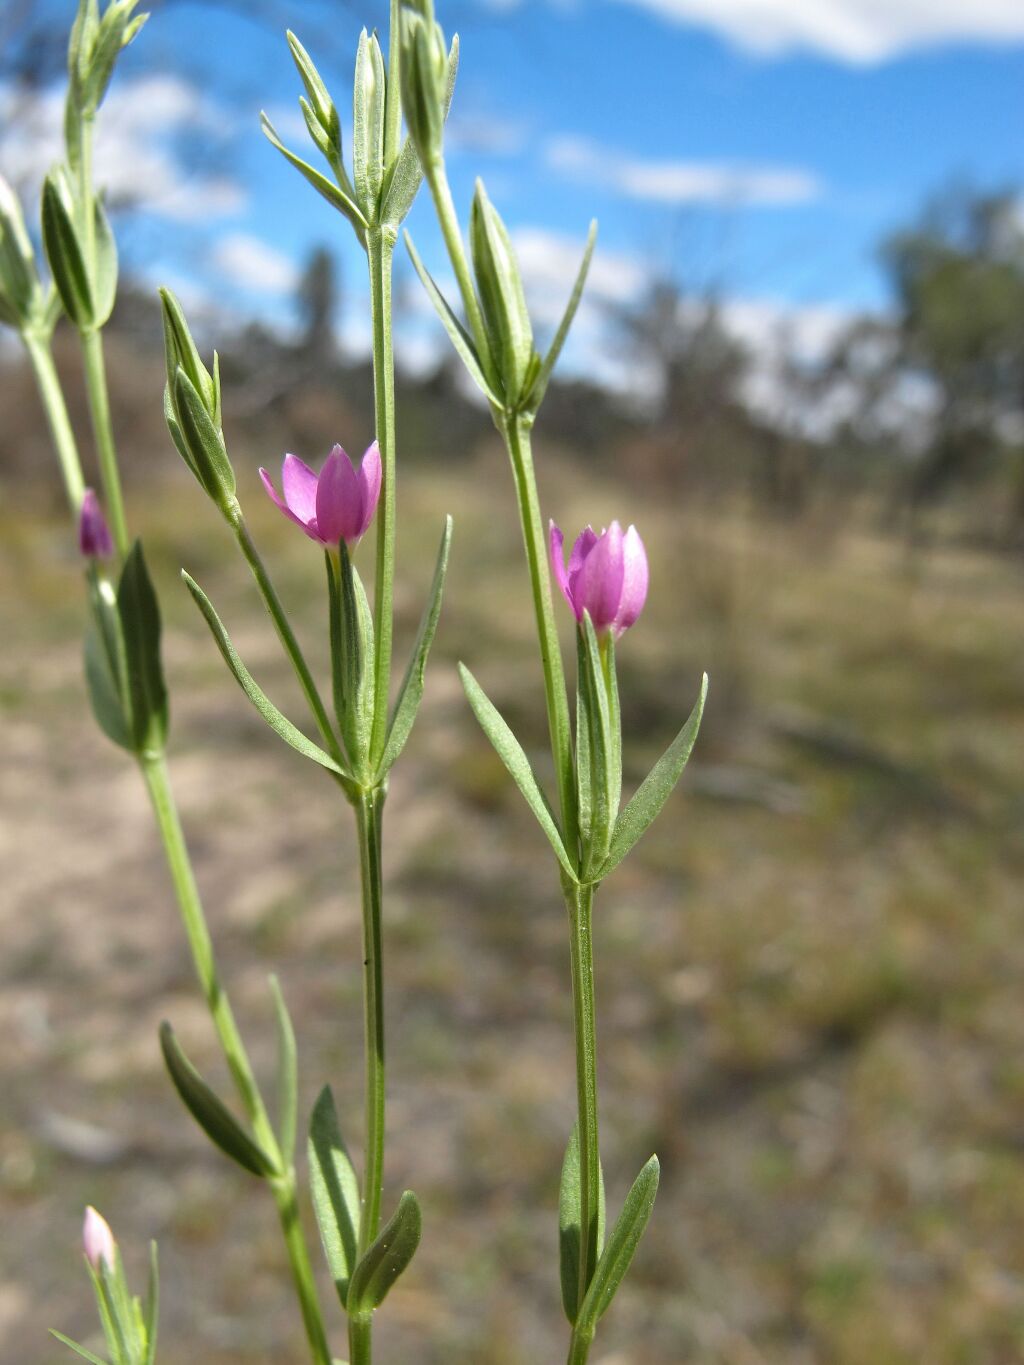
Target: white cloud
{"points": [[254, 264], [680, 182], [135, 159], [855, 31]]}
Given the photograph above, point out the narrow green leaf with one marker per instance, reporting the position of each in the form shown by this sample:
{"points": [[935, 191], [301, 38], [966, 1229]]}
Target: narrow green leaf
{"points": [[570, 1221], [67, 265], [334, 196], [180, 350], [278, 722], [410, 694], [510, 751], [656, 788], [151, 1309], [596, 718], [140, 626], [106, 669], [387, 1257], [319, 96], [622, 1244], [460, 338], [357, 663], [204, 440], [77, 1348], [104, 286], [287, 1075], [540, 385], [335, 1192], [209, 1111]]}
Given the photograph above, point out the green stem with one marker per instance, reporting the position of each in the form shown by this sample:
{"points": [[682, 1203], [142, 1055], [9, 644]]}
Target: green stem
{"points": [[40, 354], [380, 254], [579, 1347], [154, 771], [393, 106], [580, 907], [437, 179], [360, 1339], [99, 411], [369, 817], [517, 440], [287, 637]]}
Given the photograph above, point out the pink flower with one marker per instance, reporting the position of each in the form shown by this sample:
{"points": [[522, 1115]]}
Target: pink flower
{"points": [[606, 576], [93, 533], [98, 1240], [337, 505]]}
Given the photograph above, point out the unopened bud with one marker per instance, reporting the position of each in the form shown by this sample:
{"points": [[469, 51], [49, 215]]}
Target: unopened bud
{"points": [[98, 1240], [94, 538]]}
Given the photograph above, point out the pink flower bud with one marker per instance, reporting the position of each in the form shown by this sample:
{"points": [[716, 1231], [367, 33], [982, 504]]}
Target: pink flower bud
{"points": [[606, 576], [93, 533], [98, 1240], [336, 505]]}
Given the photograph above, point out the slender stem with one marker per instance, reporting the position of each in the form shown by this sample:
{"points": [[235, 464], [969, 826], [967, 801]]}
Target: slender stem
{"points": [[99, 410], [380, 254], [579, 1347], [154, 771], [287, 637], [40, 354], [369, 816], [437, 179], [584, 1016], [360, 1339], [517, 439], [85, 190], [393, 105]]}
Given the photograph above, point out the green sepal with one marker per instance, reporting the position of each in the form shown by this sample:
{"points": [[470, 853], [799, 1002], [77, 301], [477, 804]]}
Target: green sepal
{"points": [[120, 1314], [64, 252], [460, 338], [335, 196], [510, 751], [368, 101], [205, 443], [406, 175], [622, 1244], [500, 289], [277, 721], [570, 1222], [352, 656], [320, 104], [387, 1257], [655, 789], [78, 1348], [287, 1075], [599, 747], [116, 31], [410, 694], [140, 627], [424, 75], [210, 1112], [180, 351], [536, 391], [106, 667], [335, 1192]]}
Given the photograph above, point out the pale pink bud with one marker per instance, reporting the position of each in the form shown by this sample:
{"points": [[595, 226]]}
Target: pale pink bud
{"points": [[606, 576], [98, 1240]]}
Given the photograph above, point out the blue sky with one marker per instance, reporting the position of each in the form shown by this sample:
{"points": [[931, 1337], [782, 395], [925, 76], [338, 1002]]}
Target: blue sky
{"points": [[760, 147]]}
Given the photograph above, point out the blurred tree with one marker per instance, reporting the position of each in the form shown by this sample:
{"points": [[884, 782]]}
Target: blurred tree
{"points": [[317, 305], [958, 278]]}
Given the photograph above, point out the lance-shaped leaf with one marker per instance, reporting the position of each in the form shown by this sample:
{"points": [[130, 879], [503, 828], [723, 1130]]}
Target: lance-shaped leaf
{"points": [[387, 1257], [335, 1192], [63, 251], [570, 1221], [151, 1307], [278, 722], [287, 1075], [140, 628], [368, 99], [210, 1112], [106, 670], [104, 285], [655, 789], [334, 196], [204, 441], [411, 692], [458, 335], [510, 751], [77, 1347], [319, 103], [540, 385], [407, 172], [622, 1244], [180, 351]]}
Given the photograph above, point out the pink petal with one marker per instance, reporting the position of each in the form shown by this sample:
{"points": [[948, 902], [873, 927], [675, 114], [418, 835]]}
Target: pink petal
{"points": [[337, 499], [585, 542], [599, 585], [308, 527], [634, 581], [370, 476], [299, 484], [557, 543]]}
